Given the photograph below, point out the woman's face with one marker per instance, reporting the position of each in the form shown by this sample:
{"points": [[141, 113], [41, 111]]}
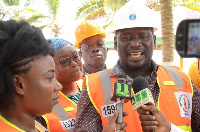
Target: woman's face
{"points": [[41, 92], [68, 64]]}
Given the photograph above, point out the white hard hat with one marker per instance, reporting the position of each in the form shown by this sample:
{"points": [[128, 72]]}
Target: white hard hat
{"points": [[135, 14]]}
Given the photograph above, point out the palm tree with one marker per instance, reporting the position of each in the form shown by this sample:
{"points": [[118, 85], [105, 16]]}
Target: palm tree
{"points": [[167, 32], [165, 6], [14, 10], [53, 6]]}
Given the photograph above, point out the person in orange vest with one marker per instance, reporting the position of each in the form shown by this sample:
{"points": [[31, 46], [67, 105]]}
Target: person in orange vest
{"points": [[135, 42], [68, 71], [90, 40], [28, 87], [194, 74]]}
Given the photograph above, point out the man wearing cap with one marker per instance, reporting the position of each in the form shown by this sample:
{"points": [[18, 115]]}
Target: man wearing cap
{"points": [[90, 41], [176, 99]]}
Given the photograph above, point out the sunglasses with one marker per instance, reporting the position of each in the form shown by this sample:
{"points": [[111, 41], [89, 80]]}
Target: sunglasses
{"points": [[67, 61]]}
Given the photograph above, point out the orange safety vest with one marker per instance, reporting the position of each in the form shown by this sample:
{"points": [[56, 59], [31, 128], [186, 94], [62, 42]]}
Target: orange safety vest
{"points": [[7, 126], [175, 97], [62, 118], [99, 87]]}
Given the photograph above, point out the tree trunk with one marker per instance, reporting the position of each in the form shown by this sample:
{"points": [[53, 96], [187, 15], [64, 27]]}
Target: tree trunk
{"points": [[167, 32]]}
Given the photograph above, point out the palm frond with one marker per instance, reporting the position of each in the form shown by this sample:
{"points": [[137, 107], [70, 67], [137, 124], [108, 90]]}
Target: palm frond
{"points": [[96, 14], [108, 25], [35, 17], [89, 7], [114, 5], [29, 10], [53, 6], [195, 7], [11, 2]]}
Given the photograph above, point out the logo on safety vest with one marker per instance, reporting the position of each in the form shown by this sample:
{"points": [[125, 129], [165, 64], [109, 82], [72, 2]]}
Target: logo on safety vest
{"points": [[185, 103]]}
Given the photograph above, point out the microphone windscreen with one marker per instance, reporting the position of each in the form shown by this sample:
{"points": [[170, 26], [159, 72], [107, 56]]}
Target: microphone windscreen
{"points": [[139, 83]]}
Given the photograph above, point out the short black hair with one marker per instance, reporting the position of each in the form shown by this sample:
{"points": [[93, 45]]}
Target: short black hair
{"points": [[19, 41]]}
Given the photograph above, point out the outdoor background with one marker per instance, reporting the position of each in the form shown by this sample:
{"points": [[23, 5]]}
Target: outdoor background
{"points": [[61, 17]]}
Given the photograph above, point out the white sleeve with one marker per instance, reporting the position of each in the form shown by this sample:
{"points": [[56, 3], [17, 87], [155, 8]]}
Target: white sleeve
{"points": [[176, 129]]}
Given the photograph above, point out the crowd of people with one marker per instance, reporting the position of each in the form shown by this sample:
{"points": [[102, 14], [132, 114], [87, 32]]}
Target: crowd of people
{"points": [[45, 85]]}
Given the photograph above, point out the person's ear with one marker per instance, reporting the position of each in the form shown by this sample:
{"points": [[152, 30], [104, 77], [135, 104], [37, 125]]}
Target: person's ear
{"points": [[19, 84], [115, 43], [154, 40]]}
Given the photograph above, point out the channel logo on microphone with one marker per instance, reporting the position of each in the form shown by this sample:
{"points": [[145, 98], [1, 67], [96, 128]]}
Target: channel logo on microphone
{"points": [[142, 97]]}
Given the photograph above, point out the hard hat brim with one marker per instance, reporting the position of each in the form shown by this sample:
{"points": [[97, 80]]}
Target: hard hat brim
{"points": [[103, 34]]}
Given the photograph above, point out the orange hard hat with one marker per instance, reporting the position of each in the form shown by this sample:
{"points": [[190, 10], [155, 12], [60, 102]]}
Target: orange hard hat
{"points": [[87, 29]]}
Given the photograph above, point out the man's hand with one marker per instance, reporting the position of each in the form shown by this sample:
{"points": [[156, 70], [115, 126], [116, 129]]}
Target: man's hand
{"points": [[111, 125], [155, 122]]}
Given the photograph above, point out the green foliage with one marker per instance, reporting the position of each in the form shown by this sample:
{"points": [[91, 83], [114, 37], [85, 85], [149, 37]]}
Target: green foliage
{"points": [[191, 4], [107, 25], [35, 17], [90, 8], [114, 5], [11, 2], [53, 6]]}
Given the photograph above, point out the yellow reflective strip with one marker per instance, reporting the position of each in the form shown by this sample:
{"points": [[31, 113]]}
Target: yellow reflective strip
{"points": [[47, 122], [10, 124], [168, 83], [68, 98], [159, 94], [191, 86], [186, 128], [69, 109], [90, 95], [79, 83], [38, 128]]}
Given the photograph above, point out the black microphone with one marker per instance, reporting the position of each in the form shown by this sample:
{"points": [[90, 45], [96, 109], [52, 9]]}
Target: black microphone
{"points": [[142, 95], [121, 94]]}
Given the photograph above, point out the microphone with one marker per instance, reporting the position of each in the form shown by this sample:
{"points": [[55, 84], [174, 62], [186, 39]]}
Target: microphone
{"points": [[121, 94], [142, 95]]}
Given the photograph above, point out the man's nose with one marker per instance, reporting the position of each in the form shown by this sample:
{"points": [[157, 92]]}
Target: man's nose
{"points": [[135, 42], [95, 48]]}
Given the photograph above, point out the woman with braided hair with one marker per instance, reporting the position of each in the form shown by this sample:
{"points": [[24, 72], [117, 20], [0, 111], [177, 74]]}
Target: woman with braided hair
{"points": [[28, 87]]}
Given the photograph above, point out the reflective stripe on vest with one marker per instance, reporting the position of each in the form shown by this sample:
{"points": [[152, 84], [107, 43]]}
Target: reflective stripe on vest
{"points": [[60, 112], [175, 76], [7, 126], [40, 127], [174, 87], [99, 87], [106, 87], [63, 113]]}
